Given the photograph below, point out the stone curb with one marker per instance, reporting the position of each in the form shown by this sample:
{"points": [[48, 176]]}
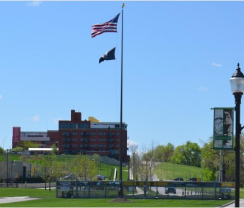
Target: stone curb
{"points": [[225, 205]]}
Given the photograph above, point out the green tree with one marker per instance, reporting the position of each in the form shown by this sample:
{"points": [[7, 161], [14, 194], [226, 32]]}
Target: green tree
{"points": [[34, 171], [164, 153], [54, 149], [95, 158], [188, 154], [178, 156], [48, 169], [27, 144], [18, 149], [211, 163], [242, 160], [137, 166], [1, 150], [84, 168], [148, 163]]}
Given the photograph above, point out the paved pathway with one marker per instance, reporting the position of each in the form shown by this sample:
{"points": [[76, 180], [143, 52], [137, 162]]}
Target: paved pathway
{"points": [[233, 204], [4, 200]]}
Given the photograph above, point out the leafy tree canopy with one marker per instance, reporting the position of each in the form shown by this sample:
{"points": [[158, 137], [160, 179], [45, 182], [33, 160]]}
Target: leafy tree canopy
{"points": [[27, 144], [164, 153], [187, 154]]}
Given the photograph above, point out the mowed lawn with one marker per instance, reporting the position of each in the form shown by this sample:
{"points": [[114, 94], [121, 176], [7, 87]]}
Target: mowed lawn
{"points": [[53, 202], [47, 199]]}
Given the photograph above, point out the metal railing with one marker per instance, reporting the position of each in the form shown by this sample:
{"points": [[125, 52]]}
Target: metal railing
{"points": [[145, 189]]}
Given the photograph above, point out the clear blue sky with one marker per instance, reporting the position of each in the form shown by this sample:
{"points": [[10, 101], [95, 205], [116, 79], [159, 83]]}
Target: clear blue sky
{"points": [[178, 59]]}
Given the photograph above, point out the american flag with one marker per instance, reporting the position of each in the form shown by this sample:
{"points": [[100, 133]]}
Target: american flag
{"points": [[110, 26]]}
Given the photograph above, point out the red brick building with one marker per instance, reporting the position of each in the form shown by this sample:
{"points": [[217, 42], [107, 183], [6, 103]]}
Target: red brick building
{"points": [[80, 136]]}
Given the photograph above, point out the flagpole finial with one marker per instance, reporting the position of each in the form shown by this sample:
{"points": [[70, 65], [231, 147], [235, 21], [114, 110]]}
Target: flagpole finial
{"points": [[123, 5]]}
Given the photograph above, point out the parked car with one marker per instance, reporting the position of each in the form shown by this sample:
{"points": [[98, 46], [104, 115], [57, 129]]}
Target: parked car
{"points": [[179, 179], [170, 190], [192, 179], [69, 176], [101, 177]]}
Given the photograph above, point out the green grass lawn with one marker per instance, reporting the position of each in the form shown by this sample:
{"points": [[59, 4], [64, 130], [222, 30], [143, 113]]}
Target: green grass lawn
{"points": [[108, 171], [167, 171], [52, 202], [9, 192], [47, 199], [242, 193]]}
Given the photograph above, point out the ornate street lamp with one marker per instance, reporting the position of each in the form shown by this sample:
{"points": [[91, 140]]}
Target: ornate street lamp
{"points": [[237, 87]]}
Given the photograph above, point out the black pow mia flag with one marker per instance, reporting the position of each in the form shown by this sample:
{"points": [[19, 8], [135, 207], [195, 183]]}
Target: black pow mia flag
{"points": [[110, 55]]}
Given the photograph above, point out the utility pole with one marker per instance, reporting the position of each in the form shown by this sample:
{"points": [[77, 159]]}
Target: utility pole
{"points": [[221, 167]]}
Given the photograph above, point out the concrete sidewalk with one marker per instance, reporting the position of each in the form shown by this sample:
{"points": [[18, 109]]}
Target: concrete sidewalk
{"points": [[233, 204], [4, 200]]}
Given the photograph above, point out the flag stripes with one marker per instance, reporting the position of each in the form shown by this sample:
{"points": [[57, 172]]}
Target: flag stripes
{"points": [[110, 26]]}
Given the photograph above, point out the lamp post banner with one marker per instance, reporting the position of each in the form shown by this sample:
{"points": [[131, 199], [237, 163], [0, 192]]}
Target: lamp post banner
{"points": [[223, 128]]}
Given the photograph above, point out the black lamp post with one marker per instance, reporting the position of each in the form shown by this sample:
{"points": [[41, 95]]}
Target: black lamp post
{"points": [[237, 87], [7, 167]]}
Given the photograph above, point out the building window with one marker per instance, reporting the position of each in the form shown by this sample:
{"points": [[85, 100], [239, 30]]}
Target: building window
{"points": [[93, 133], [117, 126], [65, 151], [83, 125], [74, 125], [74, 140], [74, 133], [68, 125], [102, 133], [84, 134], [114, 152], [65, 140], [64, 125], [65, 133], [111, 135], [93, 140]]}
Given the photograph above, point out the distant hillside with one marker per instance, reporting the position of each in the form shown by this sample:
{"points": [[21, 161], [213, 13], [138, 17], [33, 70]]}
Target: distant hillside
{"points": [[169, 171], [164, 171], [102, 168]]}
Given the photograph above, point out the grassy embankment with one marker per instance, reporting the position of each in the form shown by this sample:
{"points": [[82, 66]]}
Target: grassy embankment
{"points": [[169, 171], [103, 169]]}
